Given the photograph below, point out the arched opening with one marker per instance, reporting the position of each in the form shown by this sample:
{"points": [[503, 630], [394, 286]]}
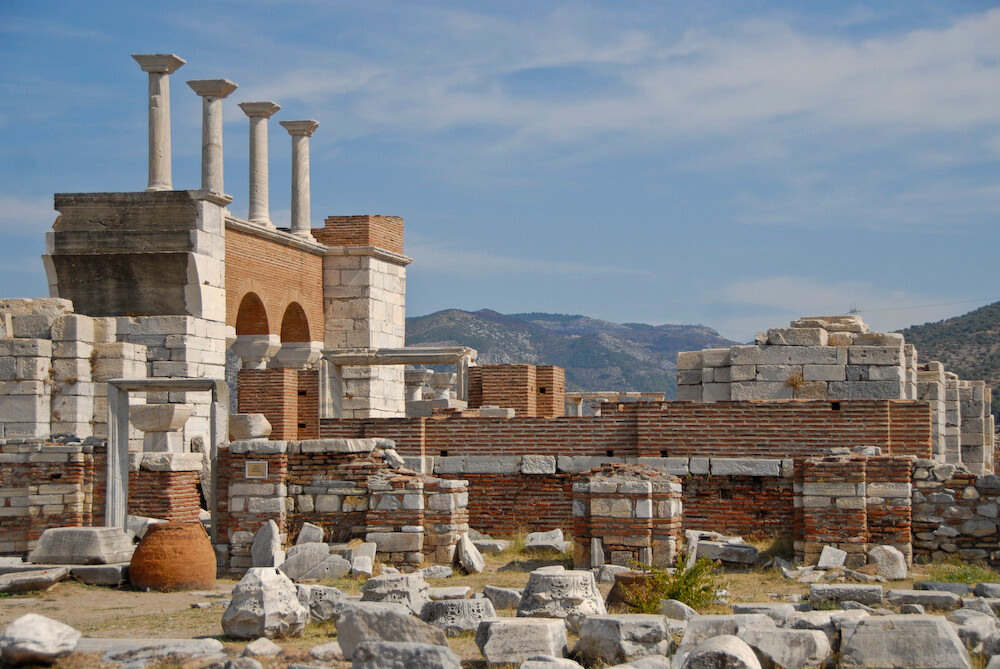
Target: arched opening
{"points": [[251, 319], [294, 326]]}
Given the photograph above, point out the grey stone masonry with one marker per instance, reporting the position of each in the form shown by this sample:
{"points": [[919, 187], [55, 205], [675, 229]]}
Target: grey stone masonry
{"points": [[836, 358]]}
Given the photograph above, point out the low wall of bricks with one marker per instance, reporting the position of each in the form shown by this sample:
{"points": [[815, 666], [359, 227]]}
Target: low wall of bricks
{"points": [[798, 429]]}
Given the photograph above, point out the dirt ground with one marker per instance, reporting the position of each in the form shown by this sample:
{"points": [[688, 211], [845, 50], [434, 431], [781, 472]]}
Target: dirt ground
{"points": [[100, 612]]}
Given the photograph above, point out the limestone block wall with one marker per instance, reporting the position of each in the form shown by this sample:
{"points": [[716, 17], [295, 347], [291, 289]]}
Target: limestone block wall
{"points": [[54, 366], [630, 513], [837, 358]]}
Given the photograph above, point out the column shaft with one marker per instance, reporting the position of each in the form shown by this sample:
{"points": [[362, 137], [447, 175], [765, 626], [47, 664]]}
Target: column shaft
{"points": [[159, 132]]}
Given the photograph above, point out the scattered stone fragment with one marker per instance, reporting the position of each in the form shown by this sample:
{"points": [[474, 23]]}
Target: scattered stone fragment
{"points": [[650, 662], [570, 595], [980, 604], [837, 592], [332, 567], [458, 615], [371, 622], [902, 641], [912, 609], [549, 662], [36, 639], [403, 655], [725, 651], [310, 534], [451, 592], [606, 573], [393, 460], [112, 575], [622, 638], [321, 550], [327, 652], [889, 561], [788, 647], [468, 556], [262, 647], [491, 545], [264, 604], [138, 653], [437, 571], [927, 598], [734, 553], [502, 598], [36, 579], [703, 628], [972, 626], [960, 589], [201, 605], [831, 558], [408, 589], [362, 565], [513, 640], [266, 548], [82, 545], [303, 560], [986, 590], [671, 608]]}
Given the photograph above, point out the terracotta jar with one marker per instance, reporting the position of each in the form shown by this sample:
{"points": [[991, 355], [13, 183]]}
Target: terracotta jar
{"points": [[173, 556]]}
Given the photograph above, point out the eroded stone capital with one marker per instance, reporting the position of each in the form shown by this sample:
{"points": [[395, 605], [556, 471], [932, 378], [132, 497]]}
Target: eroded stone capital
{"points": [[159, 62], [304, 128], [260, 109], [212, 88]]}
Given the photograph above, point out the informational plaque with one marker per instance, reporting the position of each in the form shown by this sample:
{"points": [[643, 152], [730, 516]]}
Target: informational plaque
{"points": [[256, 469]]}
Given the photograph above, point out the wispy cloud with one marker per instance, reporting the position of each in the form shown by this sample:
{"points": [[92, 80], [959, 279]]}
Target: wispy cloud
{"points": [[463, 262], [50, 29], [753, 304]]}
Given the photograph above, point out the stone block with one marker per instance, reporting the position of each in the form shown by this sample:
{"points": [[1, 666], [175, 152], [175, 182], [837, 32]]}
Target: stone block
{"points": [[396, 542], [687, 360], [675, 466], [875, 355], [902, 641], [492, 464], [746, 467], [797, 337], [865, 390], [716, 392], [514, 640], [745, 391], [787, 355], [82, 545], [823, 373]]}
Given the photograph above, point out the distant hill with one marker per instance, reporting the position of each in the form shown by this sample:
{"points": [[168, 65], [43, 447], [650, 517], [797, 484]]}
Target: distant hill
{"points": [[968, 345], [597, 355]]}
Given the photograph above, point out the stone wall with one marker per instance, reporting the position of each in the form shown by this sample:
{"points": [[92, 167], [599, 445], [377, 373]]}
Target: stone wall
{"points": [[342, 485], [837, 358], [955, 513], [626, 514]]}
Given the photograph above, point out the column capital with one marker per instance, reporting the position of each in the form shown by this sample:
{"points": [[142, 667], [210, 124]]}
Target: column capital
{"points": [[212, 88], [304, 128], [165, 63], [260, 109]]}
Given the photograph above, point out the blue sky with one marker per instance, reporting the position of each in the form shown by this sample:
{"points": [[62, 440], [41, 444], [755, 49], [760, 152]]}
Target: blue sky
{"points": [[734, 164]]}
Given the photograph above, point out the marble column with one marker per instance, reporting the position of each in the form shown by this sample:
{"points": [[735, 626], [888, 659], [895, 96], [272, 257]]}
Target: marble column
{"points": [[300, 131], [212, 92], [159, 66], [259, 112]]}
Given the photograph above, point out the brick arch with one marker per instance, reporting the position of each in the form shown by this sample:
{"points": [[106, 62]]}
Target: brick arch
{"points": [[251, 318], [294, 324]]}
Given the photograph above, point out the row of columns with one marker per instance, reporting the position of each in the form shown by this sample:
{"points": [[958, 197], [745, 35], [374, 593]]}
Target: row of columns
{"points": [[212, 92]]}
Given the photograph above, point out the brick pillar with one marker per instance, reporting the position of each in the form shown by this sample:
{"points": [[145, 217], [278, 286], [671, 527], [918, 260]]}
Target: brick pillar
{"points": [[395, 519], [446, 517], [274, 393], [550, 382], [834, 508], [889, 505]]}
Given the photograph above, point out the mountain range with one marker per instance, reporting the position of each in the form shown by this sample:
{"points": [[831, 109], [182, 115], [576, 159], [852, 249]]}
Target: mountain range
{"points": [[596, 354], [600, 355]]}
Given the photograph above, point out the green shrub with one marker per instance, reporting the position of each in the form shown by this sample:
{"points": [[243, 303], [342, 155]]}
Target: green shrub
{"points": [[694, 585]]}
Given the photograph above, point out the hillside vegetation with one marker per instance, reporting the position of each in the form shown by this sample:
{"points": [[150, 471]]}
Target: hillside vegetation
{"points": [[597, 355], [968, 345]]}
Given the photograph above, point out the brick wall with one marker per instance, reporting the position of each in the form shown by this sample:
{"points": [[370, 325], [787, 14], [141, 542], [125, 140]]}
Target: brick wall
{"points": [[550, 383], [307, 418], [384, 232], [677, 429], [741, 505], [277, 273], [274, 393], [511, 387]]}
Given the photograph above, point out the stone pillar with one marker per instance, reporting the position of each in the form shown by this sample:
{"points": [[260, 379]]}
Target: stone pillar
{"points": [[442, 382], [414, 380], [159, 66], [161, 426], [259, 112], [300, 131], [254, 351], [212, 92]]}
